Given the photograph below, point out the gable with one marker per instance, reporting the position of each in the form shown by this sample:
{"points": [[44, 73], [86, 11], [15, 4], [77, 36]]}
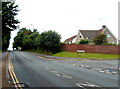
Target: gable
{"points": [[110, 37]]}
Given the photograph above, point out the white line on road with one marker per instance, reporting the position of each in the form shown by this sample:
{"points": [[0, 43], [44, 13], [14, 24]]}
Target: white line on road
{"points": [[25, 56], [114, 72], [102, 71], [87, 84], [67, 76], [78, 84], [53, 71], [58, 75], [73, 64], [106, 70]]}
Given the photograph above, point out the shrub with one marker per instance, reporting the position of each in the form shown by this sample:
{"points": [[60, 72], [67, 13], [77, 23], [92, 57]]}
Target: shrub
{"points": [[50, 41], [100, 39], [83, 41]]}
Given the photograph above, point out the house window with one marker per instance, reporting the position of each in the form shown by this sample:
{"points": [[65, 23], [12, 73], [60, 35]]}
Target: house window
{"points": [[80, 36], [108, 35]]}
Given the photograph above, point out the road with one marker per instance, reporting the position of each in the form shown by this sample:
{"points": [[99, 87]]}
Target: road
{"points": [[36, 71]]}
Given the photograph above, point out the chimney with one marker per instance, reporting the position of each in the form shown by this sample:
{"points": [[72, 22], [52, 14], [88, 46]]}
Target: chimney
{"points": [[103, 27]]}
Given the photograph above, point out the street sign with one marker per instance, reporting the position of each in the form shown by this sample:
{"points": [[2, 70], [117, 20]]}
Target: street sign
{"points": [[80, 51]]}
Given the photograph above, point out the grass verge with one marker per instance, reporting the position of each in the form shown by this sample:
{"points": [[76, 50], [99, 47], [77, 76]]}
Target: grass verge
{"points": [[86, 55]]}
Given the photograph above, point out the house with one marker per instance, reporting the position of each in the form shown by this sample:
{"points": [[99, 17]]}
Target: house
{"points": [[91, 34], [71, 40]]}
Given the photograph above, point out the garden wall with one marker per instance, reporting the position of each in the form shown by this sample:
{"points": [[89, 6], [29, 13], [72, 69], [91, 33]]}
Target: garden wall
{"points": [[103, 49]]}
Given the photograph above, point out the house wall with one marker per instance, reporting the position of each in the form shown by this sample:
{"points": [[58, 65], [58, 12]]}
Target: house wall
{"points": [[103, 49], [110, 39]]}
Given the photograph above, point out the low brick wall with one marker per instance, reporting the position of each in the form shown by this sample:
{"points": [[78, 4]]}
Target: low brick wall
{"points": [[103, 49]]}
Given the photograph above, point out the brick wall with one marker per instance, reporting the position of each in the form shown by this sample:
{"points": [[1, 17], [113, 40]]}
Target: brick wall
{"points": [[103, 49]]}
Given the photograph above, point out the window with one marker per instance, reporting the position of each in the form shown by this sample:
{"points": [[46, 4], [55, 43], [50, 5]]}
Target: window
{"points": [[108, 35], [80, 36]]}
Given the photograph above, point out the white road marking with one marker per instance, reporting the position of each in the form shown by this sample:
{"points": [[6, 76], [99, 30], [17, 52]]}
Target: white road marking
{"points": [[58, 75], [87, 84], [78, 84], [88, 67], [114, 72], [67, 76], [28, 58], [25, 56], [102, 71], [54, 72], [82, 65], [106, 70], [73, 64]]}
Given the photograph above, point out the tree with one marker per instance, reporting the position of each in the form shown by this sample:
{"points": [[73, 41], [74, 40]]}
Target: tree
{"points": [[100, 39], [20, 39], [9, 23], [25, 39], [50, 41], [84, 41]]}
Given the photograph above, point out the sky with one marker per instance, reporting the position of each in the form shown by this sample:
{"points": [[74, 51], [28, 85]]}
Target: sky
{"points": [[67, 16]]}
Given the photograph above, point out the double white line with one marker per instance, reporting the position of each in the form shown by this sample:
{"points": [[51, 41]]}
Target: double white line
{"points": [[13, 76]]}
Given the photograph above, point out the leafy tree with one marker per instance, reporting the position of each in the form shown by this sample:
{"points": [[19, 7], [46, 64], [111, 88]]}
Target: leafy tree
{"points": [[100, 39], [22, 38], [9, 22], [37, 42], [25, 39], [84, 41], [50, 41], [34, 40]]}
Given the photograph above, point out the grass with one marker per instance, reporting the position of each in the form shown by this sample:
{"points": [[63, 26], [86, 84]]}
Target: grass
{"points": [[86, 55]]}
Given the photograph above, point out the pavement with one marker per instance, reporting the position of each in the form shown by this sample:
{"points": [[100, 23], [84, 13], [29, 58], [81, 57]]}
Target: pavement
{"points": [[2, 66], [38, 71]]}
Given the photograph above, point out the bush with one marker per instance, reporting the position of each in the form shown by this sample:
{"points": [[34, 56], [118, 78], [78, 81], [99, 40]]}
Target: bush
{"points": [[83, 41], [100, 39], [50, 41]]}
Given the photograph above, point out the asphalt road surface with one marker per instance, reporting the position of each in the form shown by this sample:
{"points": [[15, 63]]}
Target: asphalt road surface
{"points": [[36, 71]]}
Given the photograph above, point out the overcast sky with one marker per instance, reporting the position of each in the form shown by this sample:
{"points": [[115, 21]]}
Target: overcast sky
{"points": [[67, 16]]}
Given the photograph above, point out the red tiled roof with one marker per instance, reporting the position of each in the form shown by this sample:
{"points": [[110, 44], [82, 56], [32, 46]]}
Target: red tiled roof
{"points": [[71, 38]]}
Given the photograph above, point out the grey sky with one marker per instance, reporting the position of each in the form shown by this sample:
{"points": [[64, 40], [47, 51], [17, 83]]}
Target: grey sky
{"points": [[68, 16]]}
